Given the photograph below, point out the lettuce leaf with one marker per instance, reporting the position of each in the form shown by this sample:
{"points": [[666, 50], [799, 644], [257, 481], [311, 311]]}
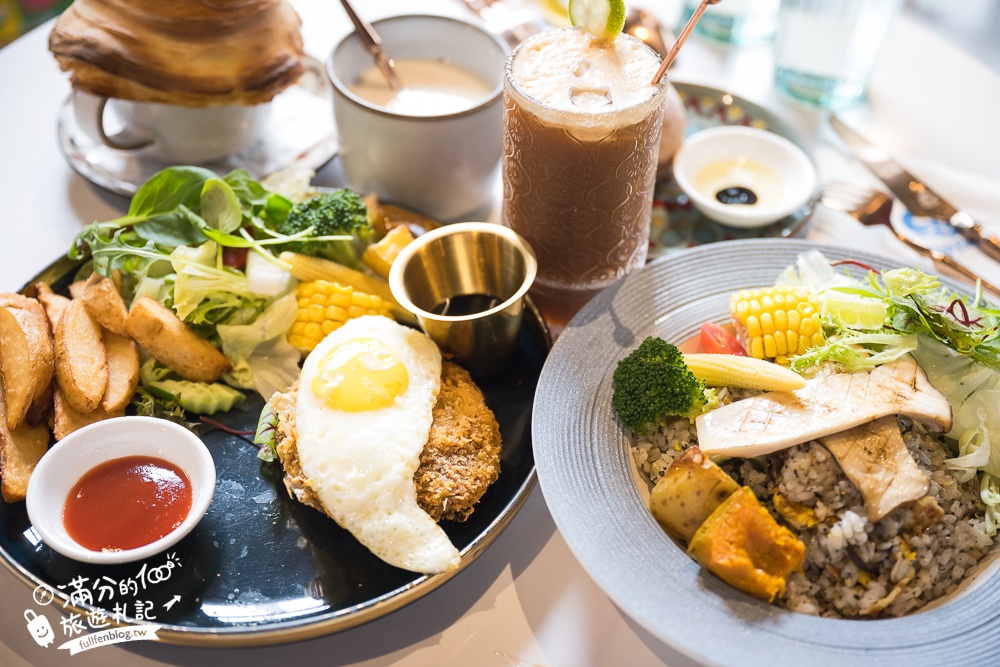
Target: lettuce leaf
{"points": [[262, 359], [974, 392], [207, 294]]}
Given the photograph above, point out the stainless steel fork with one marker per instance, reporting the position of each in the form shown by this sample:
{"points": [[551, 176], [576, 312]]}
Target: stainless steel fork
{"points": [[873, 207]]}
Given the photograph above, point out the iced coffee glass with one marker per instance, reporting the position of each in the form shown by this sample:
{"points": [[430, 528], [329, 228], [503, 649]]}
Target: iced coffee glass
{"points": [[582, 124]]}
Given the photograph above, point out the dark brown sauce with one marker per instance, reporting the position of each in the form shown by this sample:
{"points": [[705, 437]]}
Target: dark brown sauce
{"points": [[737, 195], [466, 304]]}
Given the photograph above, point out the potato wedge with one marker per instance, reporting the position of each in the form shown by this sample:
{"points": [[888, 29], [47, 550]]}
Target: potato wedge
{"points": [[53, 304], [123, 371], [77, 289], [105, 304], [81, 359], [26, 357], [68, 420], [41, 408], [20, 450], [157, 329]]}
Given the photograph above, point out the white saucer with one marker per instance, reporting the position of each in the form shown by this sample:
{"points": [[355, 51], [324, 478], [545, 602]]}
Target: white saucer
{"points": [[300, 129]]}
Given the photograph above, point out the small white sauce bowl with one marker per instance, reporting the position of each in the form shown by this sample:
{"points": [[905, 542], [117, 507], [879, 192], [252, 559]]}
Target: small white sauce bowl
{"points": [[79, 452], [788, 162]]}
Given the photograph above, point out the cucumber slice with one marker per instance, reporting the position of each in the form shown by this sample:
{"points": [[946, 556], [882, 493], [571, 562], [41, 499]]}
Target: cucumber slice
{"points": [[200, 398]]}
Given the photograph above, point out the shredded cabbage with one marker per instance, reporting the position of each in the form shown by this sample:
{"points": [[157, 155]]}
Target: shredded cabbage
{"points": [[812, 270], [974, 392]]}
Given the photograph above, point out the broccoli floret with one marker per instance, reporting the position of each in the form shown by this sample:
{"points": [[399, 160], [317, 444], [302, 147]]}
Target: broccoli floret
{"points": [[653, 383], [332, 213]]}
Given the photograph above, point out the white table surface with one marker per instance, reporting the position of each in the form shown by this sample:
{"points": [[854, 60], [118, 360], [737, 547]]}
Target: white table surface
{"points": [[526, 601]]}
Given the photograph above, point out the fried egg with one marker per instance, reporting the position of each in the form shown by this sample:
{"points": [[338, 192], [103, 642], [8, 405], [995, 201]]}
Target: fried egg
{"points": [[363, 414]]}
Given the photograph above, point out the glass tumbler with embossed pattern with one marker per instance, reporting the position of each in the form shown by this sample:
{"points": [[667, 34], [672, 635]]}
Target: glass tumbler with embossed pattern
{"points": [[582, 125]]}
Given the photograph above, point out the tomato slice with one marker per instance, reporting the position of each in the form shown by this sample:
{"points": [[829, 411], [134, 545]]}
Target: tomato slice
{"points": [[717, 340], [235, 257]]}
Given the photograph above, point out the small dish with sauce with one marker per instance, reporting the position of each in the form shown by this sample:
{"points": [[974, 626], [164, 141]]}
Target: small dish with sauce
{"points": [[121, 490], [466, 283], [743, 176]]}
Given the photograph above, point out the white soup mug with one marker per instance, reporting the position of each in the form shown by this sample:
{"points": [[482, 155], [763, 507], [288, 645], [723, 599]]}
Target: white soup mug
{"points": [[445, 166]]}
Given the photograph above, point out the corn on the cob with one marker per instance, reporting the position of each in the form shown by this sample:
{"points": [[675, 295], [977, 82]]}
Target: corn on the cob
{"points": [[325, 306], [776, 322], [730, 370], [306, 268]]}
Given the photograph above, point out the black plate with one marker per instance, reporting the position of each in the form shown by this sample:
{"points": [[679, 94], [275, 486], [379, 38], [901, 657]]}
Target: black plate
{"points": [[261, 568]]}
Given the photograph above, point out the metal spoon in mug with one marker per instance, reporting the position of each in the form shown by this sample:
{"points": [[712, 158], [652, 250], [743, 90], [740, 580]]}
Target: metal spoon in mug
{"points": [[373, 43]]}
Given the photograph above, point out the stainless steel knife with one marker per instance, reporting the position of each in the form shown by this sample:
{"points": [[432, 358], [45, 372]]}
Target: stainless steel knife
{"points": [[913, 193]]}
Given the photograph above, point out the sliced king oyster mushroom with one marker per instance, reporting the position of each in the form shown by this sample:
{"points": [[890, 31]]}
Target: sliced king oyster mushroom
{"points": [[875, 458], [827, 404]]}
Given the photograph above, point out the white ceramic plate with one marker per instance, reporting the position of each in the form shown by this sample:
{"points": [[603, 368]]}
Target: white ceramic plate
{"points": [[585, 473]]}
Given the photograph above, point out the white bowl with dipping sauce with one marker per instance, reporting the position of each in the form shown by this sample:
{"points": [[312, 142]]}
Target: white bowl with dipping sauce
{"points": [[436, 146], [743, 176], [74, 457]]}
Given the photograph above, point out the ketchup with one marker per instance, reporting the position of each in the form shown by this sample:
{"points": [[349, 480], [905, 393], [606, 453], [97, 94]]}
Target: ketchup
{"points": [[127, 503]]}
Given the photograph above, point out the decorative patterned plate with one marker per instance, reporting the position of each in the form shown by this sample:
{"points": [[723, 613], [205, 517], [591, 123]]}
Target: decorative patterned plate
{"points": [[585, 474], [676, 224], [261, 568]]}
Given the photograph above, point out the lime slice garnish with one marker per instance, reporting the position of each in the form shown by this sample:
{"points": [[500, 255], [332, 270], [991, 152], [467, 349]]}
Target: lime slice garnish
{"points": [[604, 18], [854, 312]]}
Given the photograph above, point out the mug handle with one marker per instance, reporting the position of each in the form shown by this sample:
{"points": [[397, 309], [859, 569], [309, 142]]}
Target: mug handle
{"points": [[89, 112]]}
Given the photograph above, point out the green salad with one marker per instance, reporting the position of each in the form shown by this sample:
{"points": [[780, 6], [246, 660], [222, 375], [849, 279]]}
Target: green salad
{"points": [[206, 246]]}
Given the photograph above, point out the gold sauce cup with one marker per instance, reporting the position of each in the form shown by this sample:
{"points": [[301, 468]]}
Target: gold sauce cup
{"points": [[466, 284]]}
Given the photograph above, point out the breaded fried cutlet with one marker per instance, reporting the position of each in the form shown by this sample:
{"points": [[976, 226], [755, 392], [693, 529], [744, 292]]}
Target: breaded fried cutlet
{"points": [[462, 455], [458, 463]]}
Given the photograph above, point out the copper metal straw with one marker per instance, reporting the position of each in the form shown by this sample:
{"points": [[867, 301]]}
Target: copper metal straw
{"points": [[681, 38], [373, 43]]}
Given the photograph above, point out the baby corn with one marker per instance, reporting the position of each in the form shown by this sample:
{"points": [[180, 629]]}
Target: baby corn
{"points": [[306, 268], [776, 322], [730, 370], [325, 306]]}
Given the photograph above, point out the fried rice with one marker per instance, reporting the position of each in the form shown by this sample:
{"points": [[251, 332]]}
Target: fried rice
{"points": [[853, 568]]}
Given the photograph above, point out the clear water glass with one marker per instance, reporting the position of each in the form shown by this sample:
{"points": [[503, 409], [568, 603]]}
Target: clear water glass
{"points": [[825, 50], [739, 22]]}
